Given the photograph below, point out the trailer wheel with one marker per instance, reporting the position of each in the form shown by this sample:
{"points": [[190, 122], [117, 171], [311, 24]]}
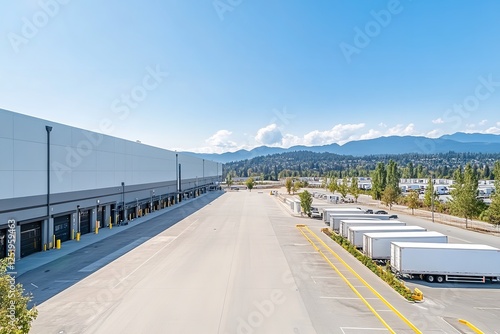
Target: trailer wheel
{"points": [[430, 278], [440, 279]]}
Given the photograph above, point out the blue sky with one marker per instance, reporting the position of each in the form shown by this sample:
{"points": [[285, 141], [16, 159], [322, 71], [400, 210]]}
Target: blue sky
{"points": [[215, 76]]}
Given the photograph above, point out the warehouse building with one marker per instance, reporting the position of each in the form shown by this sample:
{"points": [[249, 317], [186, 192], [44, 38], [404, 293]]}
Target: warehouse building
{"points": [[59, 182]]}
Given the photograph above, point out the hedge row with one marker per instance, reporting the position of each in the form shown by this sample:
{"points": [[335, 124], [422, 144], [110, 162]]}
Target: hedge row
{"points": [[383, 273]]}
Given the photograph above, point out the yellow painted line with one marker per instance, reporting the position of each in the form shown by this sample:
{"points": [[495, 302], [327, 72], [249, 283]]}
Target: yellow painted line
{"points": [[375, 292], [348, 283], [471, 326]]}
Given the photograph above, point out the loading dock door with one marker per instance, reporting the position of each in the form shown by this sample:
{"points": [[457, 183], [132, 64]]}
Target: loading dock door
{"points": [[31, 238], [3, 243], [101, 216], [85, 221], [62, 227]]}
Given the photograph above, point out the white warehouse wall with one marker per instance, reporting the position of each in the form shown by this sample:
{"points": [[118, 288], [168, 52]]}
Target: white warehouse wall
{"points": [[81, 160]]}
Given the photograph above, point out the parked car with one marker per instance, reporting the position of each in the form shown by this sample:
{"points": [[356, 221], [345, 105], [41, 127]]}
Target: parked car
{"points": [[393, 217], [369, 211], [380, 212], [315, 213]]}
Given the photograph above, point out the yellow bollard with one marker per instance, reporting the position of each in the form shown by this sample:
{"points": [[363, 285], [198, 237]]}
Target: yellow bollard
{"points": [[58, 243], [417, 295], [44, 247], [110, 225], [77, 236], [97, 230], [53, 241]]}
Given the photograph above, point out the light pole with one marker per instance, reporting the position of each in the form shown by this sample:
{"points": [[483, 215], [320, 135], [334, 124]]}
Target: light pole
{"points": [[97, 215], [123, 201], [78, 218], [48, 129], [432, 198]]}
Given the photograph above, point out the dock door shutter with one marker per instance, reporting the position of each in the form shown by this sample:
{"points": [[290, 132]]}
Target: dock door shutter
{"points": [[85, 221], [31, 238], [62, 228], [101, 217]]}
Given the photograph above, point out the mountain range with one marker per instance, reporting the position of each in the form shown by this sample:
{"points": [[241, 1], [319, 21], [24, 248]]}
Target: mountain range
{"points": [[458, 142]]}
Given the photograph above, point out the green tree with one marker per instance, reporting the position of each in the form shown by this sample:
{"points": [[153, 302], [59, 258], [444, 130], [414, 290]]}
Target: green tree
{"points": [[324, 182], [493, 212], [429, 194], [378, 181], [464, 202], [354, 189], [412, 201], [306, 202], [229, 180], [15, 317], [288, 185], [343, 188], [393, 176], [250, 183], [296, 186], [333, 185], [420, 171], [389, 196]]}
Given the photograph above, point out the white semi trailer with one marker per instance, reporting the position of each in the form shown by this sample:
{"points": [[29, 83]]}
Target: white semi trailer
{"points": [[446, 262], [336, 218], [346, 223], [355, 233], [377, 246], [327, 212]]}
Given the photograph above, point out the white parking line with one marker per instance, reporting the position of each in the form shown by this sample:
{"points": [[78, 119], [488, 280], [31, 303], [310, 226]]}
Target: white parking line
{"points": [[353, 298], [326, 277], [363, 329]]}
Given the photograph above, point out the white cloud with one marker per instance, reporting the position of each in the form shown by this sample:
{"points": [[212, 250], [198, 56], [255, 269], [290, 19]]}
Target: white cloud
{"points": [[269, 135], [434, 133], [401, 130], [290, 140], [340, 133], [382, 125], [371, 134], [438, 121], [470, 126], [220, 142], [483, 122], [493, 130]]}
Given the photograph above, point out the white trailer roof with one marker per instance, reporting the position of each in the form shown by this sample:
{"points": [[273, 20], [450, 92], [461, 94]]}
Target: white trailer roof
{"points": [[343, 209], [374, 221], [445, 246], [385, 227], [381, 235]]}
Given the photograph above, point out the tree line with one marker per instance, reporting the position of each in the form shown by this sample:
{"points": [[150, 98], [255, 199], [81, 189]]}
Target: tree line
{"points": [[311, 164]]}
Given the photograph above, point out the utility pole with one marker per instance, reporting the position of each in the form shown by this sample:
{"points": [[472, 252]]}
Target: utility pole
{"points": [[432, 198]]}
